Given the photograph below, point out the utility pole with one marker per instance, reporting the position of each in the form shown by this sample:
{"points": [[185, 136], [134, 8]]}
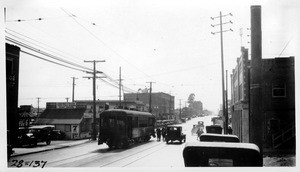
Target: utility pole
{"points": [[73, 88], [120, 87], [150, 95], [226, 100], [179, 108], [170, 106], [94, 131], [222, 63], [38, 99]]}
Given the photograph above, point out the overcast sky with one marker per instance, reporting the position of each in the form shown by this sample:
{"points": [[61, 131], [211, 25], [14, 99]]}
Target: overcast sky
{"points": [[166, 42]]}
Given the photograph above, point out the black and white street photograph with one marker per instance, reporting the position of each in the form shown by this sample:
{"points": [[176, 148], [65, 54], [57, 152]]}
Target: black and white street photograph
{"points": [[149, 85]]}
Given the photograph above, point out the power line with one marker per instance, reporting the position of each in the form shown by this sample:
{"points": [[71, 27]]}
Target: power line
{"points": [[225, 109], [39, 43], [45, 53], [97, 38], [61, 60], [36, 19], [284, 47]]}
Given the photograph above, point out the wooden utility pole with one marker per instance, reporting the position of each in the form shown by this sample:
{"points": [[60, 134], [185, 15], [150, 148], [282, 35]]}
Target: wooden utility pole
{"points": [[222, 64], [73, 88], [94, 131], [179, 108], [38, 111], [120, 87], [226, 104], [150, 97]]}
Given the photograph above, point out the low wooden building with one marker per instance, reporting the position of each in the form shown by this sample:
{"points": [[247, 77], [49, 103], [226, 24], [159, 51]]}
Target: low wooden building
{"points": [[72, 121]]}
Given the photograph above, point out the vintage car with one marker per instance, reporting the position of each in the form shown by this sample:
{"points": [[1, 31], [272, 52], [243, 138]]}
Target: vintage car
{"points": [[196, 127], [34, 134], [217, 129], [211, 137], [57, 135], [174, 133], [24, 137], [221, 154]]}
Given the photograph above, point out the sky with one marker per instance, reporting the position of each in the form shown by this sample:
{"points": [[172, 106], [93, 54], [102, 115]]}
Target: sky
{"points": [[167, 42]]}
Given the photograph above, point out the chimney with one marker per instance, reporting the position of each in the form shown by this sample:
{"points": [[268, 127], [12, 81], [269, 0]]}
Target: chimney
{"points": [[256, 114]]}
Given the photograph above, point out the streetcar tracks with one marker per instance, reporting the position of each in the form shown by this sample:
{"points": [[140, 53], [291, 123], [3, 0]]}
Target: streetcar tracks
{"points": [[94, 159], [135, 154]]}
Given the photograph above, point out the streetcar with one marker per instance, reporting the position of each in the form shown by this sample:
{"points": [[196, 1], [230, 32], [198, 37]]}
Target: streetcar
{"points": [[119, 128]]}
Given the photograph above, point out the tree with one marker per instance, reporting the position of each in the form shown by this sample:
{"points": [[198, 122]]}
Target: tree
{"points": [[191, 99]]}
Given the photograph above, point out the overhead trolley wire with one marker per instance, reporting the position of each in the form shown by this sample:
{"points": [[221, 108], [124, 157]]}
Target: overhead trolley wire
{"points": [[97, 38], [45, 53], [50, 61], [61, 60], [39, 42]]}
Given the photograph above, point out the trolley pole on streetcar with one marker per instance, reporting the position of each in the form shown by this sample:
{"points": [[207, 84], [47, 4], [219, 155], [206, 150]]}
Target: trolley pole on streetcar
{"points": [[94, 131], [225, 113]]}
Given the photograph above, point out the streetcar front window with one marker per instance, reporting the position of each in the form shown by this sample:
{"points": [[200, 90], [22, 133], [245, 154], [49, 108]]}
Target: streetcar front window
{"points": [[111, 122]]}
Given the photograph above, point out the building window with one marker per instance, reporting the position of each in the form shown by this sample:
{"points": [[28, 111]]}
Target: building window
{"points": [[278, 89]]}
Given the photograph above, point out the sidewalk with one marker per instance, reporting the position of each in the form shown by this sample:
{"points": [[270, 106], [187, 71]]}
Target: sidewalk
{"points": [[276, 158], [55, 144]]}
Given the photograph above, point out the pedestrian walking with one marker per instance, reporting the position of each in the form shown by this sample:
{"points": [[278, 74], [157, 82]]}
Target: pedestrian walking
{"points": [[229, 130], [158, 133], [163, 132], [199, 132]]}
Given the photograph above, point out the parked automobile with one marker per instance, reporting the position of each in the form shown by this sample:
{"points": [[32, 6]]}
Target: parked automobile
{"points": [[42, 133], [174, 133], [211, 137], [221, 154], [25, 137], [57, 135], [34, 134], [217, 129]]}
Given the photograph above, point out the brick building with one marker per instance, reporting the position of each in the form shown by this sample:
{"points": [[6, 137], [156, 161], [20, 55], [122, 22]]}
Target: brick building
{"points": [[162, 104], [278, 100]]}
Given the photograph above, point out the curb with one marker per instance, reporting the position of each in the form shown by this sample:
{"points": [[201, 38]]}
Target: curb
{"points": [[49, 149]]}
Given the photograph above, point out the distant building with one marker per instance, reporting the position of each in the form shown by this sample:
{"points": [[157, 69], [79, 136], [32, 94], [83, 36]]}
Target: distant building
{"points": [[278, 93], [75, 118], [26, 116], [162, 104], [71, 121]]}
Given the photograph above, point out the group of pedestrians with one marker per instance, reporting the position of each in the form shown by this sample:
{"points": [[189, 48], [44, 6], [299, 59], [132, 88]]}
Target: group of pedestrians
{"points": [[161, 132]]}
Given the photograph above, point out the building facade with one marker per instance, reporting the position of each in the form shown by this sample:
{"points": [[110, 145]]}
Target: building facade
{"points": [[162, 104], [75, 119], [278, 100], [12, 62], [240, 82]]}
